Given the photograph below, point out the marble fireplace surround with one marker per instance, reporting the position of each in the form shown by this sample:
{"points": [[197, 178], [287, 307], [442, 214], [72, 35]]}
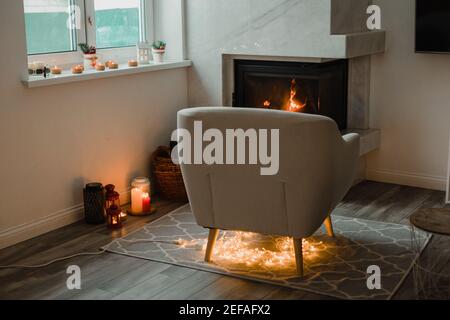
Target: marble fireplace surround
{"points": [[283, 30]]}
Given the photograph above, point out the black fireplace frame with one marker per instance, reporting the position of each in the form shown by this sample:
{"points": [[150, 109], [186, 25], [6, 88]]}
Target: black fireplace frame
{"points": [[304, 70]]}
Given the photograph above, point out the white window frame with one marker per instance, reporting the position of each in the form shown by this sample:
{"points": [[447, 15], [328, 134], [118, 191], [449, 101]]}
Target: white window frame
{"points": [[87, 34]]}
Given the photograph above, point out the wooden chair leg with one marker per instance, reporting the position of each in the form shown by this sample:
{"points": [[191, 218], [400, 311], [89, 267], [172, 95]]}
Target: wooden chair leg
{"points": [[329, 226], [212, 237], [298, 249]]}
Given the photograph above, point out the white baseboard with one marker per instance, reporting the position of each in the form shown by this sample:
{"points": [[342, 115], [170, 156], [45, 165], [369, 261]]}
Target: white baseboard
{"points": [[14, 235], [59, 219], [408, 179]]}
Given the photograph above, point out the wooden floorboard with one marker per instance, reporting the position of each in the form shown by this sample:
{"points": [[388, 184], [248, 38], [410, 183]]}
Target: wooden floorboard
{"points": [[229, 288], [120, 283], [157, 284], [111, 276]]}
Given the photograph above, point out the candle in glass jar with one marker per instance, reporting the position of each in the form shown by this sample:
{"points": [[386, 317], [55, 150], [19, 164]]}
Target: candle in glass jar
{"points": [[140, 195], [145, 202]]}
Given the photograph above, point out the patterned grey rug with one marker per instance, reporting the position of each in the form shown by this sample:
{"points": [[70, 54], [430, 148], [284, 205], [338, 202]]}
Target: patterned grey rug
{"points": [[335, 267]]}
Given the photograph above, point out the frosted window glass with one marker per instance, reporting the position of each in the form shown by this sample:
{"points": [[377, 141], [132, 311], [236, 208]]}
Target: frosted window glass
{"points": [[117, 23], [46, 26]]}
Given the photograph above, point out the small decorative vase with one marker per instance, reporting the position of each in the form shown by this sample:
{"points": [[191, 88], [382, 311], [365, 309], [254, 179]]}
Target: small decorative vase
{"points": [[90, 61], [158, 55]]}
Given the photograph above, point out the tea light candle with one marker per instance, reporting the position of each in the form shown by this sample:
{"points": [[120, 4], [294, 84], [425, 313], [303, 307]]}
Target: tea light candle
{"points": [[100, 67], [77, 69], [132, 63], [113, 65], [145, 202], [56, 70]]}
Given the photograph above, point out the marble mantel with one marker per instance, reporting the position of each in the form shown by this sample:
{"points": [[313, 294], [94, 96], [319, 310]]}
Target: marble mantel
{"points": [[343, 46]]}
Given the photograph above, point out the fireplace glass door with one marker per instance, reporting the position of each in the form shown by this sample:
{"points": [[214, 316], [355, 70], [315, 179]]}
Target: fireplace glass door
{"points": [[316, 88]]}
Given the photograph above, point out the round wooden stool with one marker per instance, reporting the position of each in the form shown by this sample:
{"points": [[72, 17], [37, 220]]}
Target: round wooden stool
{"points": [[436, 221], [431, 270]]}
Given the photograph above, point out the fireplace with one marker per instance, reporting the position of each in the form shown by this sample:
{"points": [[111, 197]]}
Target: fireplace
{"points": [[316, 88]]}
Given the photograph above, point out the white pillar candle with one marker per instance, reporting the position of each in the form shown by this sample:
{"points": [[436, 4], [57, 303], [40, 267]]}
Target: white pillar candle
{"points": [[136, 200]]}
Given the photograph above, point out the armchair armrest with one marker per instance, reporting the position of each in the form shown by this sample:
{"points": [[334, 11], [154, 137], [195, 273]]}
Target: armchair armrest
{"points": [[352, 143], [346, 164], [351, 138]]}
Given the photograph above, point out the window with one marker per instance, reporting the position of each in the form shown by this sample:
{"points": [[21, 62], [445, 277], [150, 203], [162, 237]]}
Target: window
{"points": [[117, 23], [57, 26], [46, 26]]}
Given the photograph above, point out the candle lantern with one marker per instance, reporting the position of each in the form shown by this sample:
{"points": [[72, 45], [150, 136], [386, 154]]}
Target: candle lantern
{"points": [[112, 197], [140, 197], [113, 217], [144, 50], [94, 203]]}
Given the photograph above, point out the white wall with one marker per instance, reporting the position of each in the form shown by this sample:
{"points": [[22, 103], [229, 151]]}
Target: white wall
{"points": [[256, 27], [169, 26], [271, 28], [410, 102], [55, 139]]}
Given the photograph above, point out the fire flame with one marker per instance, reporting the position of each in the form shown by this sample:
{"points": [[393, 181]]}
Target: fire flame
{"points": [[293, 105]]}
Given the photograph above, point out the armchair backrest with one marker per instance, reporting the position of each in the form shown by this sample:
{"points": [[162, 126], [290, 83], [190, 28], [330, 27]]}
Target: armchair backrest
{"points": [[293, 202]]}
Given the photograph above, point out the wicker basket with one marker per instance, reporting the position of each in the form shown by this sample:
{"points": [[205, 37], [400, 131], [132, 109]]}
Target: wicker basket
{"points": [[168, 175]]}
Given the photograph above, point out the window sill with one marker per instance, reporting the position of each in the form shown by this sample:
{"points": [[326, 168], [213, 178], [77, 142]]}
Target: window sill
{"points": [[124, 69]]}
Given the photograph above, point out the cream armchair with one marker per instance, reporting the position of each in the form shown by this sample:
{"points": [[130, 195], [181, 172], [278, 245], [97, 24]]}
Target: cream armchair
{"points": [[317, 166]]}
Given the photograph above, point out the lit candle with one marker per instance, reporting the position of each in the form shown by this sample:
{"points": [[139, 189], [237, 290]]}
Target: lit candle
{"points": [[113, 217], [100, 66], [132, 63], [113, 65], [145, 202], [56, 70], [77, 69], [136, 200], [140, 196]]}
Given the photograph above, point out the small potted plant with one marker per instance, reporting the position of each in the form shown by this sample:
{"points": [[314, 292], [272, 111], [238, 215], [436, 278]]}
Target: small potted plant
{"points": [[158, 50], [89, 55]]}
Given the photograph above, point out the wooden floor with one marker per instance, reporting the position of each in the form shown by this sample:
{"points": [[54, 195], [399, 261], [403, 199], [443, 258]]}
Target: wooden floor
{"points": [[111, 276]]}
